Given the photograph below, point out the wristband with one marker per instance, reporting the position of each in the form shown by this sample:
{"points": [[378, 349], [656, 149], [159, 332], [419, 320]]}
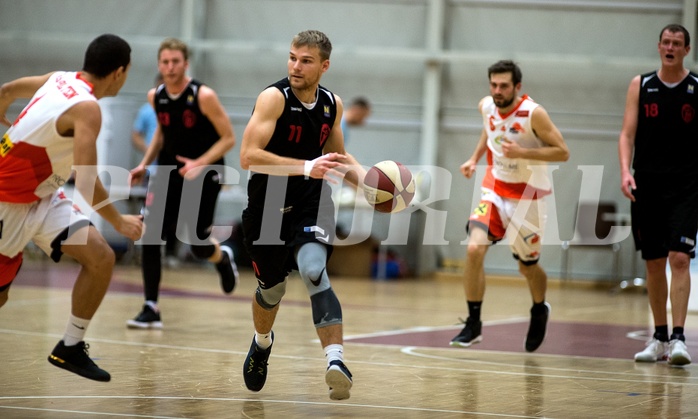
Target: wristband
{"points": [[308, 167]]}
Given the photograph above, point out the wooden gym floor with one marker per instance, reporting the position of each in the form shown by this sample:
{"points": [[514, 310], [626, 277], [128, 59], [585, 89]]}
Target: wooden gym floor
{"points": [[397, 335]]}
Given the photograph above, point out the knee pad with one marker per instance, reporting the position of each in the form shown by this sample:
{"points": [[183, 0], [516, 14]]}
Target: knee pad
{"points": [[203, 251], [270, 297], [317, 282], [312, 267], [326, 309]]}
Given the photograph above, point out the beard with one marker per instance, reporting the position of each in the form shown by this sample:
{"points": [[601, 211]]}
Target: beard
{"points": [[503, 102]]}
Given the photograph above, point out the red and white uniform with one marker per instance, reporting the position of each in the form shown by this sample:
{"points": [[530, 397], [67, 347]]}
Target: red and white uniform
{"points": [[512, 186], [513, 178], [35, 161]]}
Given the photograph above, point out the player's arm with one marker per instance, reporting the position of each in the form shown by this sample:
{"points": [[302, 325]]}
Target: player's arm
{"points": [[23, 87], [84, 120], [253, 156], [626, 142], [468, 167], [153, 149], [212, 108], [352, 171], [555, 148]]}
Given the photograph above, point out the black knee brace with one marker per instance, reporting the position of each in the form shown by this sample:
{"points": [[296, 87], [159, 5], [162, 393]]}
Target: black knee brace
{"points": [[326, 308]]}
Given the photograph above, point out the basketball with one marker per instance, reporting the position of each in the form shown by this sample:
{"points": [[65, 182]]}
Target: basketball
{"points": [[389, 186]]}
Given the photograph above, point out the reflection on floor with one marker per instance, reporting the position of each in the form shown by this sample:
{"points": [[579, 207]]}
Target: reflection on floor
{"points": [[396, 346], [563, 338]]}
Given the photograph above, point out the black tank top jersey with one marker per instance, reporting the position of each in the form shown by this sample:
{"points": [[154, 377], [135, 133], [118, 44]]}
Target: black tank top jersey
{"points": [[187, 132], [666, 141], [299, 133]]}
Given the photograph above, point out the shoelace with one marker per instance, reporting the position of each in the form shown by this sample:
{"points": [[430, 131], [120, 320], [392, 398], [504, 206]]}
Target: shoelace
{"points": [[260, 368], [85, 347]]}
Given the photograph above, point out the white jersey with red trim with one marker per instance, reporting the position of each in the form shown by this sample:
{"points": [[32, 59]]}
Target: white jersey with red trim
{"points": [[515, 178], [35, 160]]}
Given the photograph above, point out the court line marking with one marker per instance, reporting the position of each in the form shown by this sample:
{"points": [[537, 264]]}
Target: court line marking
{"points": [[419, 329], [410, 351], [19, 302], [127, 343], [235, 399], [91, 413], [635, 335]]}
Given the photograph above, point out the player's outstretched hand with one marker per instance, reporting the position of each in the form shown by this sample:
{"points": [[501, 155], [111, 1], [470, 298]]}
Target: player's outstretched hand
{"points": [[327, 166], [131, 226], [137, 175], [468, 168]]}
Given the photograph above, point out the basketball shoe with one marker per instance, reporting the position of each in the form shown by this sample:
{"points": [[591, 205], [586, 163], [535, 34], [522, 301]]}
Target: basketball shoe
{"points": [[656, 350], [146, 319], [678, 353], [471, 333], [536, 330], [338, 378], [254, 370], [228, 270], [76, 359]]}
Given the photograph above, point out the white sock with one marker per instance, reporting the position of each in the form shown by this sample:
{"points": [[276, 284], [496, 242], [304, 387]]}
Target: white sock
{"points": [[334, 352], [75, 332], [263, 340], [153, 305]]}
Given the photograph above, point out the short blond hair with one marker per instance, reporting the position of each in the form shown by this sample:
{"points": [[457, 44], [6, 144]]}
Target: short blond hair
{"points": [[176, 45], [313, 38]]}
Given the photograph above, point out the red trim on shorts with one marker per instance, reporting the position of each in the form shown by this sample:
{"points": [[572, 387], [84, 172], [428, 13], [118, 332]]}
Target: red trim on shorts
{"points": [[23, 170], [9, 268], [256, 269], [487, 215]]}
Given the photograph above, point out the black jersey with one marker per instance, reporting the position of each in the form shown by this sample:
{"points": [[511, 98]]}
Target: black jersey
{"points": [[666, 141], [186, 131], [299, 133]]}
